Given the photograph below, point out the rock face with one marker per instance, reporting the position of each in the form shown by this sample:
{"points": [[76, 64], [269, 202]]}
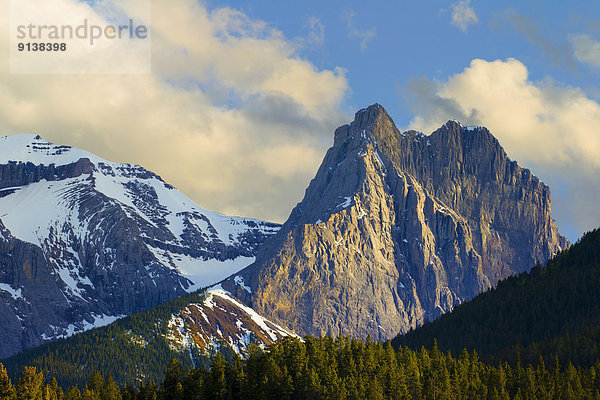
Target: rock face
{"points": [[397, 228], [220, 320], [84, 241]]}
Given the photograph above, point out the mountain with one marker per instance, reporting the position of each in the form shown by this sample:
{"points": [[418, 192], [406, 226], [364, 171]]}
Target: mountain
{"points": [[220, 321], [84, 241], [398, 228], [552, 311], [191, 329]]}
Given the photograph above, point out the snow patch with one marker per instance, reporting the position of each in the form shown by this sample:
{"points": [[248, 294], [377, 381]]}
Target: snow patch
{"points": [[346, 203], [240, 281], [362, 214], [260, 321], [32, 148], [71, 282], [15, 293], [97, 322], [379, 159], [202, 272], [31, 212]]}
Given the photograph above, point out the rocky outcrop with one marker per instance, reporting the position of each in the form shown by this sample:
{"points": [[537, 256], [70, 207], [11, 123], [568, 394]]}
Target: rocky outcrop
{"points": [[218, 322], [84, 241], [398, 228], [17, 174]]}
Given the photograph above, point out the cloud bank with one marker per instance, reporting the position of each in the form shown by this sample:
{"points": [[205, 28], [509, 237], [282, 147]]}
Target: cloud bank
{"points": [[230, 114], [548, 127]]}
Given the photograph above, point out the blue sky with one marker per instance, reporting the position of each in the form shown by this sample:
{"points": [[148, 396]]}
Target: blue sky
{"points": [[386, 46], [418, 38], [242, 97]]}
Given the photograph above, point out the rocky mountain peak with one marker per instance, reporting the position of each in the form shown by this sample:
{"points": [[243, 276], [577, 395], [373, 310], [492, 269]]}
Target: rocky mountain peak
{"points": [[371, 117], [398, 228], [465, 141], [371, 123]]}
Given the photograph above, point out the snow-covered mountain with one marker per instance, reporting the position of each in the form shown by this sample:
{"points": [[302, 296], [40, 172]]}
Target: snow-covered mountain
{"points": [[221, 319], [84, 241]]}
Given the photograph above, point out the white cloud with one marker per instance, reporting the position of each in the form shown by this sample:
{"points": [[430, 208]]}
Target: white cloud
{"points": [[93, 54], [364, 35], [463, 15], [225, 114], [586, 50], [548, 127], [316, 31]]}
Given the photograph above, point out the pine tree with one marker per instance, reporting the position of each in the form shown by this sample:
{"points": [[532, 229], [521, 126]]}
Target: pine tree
{"points": [[73, 394], [89, 394], [110, 390], [218, 383], [171, 388], [30, 385], [96, 383], [194, 383], [130, 393], [413, 375], [52, 391], [7, 390], [147, 391]]}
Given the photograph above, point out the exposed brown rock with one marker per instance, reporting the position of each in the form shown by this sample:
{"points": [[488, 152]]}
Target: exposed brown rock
{"points": [[218, 321]]}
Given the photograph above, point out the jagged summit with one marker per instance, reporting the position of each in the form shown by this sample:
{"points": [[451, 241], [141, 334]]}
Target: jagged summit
{"points": [[369, 123], [467, 170], [374, 124], [397, 228]]}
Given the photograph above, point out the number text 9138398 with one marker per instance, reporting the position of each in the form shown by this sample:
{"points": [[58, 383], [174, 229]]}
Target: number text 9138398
{"points": [[35, 46]]}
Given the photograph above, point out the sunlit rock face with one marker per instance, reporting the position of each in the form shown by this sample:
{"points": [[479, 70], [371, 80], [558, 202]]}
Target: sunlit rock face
{"points": [[398, 228]]}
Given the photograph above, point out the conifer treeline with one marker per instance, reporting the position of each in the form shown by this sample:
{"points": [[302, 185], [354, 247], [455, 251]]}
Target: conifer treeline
{"points": [[332, 369], [130, 348], [551, 310]]}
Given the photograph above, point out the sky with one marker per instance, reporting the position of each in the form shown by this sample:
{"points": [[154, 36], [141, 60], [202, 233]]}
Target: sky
{"points": [[235, 102]]}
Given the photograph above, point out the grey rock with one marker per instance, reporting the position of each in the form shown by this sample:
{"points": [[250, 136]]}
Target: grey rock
{"points": [[398, 228]]}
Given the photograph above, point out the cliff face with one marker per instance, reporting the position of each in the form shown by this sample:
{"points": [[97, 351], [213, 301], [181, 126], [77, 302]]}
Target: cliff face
{"points": [[506, 206], [397, 228]]}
